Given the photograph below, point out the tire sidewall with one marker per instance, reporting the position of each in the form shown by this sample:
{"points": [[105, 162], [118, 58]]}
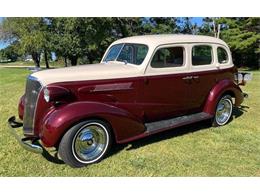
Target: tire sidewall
{"points": [[66, 148], [215, 122], [76, 134]]}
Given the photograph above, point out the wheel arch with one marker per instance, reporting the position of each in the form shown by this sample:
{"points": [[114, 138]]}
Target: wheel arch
{"points": [[82, 120], [123, 124], [224, 87]]}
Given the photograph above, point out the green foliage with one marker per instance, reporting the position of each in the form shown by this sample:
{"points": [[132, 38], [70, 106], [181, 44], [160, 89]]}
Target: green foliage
{"points": [[186, 26], [207, 27], [9, 53], [29, 35], [243, 37], [84, 40], [160, 25], [78, 37], [241, 34]]}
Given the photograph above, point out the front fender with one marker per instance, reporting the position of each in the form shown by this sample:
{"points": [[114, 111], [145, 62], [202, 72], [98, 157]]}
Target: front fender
{"points": [[222, 87], [57, 122]]}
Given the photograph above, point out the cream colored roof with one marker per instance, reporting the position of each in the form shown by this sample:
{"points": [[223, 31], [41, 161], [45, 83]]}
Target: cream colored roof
{"points": [[170, 38]]}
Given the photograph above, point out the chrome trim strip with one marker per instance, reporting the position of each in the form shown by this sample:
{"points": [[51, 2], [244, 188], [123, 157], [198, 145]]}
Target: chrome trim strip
{"points": [[113, 87]]}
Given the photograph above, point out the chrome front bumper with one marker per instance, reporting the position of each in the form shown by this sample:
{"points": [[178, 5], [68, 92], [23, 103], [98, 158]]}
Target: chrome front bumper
{"points": [[26, 143]]}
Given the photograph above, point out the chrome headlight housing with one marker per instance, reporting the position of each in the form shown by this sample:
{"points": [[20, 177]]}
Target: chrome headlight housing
{"points": [[55, 94], [46, 93]]}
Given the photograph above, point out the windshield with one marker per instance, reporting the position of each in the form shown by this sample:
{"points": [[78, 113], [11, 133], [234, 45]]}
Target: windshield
{"points": [[127, 52]]}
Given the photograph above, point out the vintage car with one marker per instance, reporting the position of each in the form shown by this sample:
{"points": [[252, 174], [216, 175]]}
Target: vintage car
{"points": [[142, 86]]}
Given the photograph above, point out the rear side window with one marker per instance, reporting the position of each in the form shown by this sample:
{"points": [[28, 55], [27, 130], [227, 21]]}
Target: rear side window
{"points": [[201, 55], [222, 55], [168, 57]]}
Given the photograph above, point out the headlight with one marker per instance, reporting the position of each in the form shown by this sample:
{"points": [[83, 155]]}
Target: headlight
{"points": [[56, 94], [46, 95]]}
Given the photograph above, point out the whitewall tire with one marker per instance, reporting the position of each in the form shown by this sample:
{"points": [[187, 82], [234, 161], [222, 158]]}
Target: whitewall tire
{"points": [[223, 111], [85, 143]]}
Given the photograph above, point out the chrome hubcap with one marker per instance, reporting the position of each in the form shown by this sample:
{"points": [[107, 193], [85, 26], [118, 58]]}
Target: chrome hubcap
{"points": [[224, 110], [90, 143]]}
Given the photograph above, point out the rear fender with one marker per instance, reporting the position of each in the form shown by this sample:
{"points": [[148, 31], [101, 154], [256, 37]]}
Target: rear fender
{"points": [[225, 86], [57, 122]]}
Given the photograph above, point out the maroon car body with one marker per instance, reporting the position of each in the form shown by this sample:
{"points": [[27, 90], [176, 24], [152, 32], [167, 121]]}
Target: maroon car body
{"points": [[159, 83]]}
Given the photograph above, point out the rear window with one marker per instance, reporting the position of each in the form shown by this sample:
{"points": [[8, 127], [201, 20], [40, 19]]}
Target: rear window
{"points": [[222, 55], [201, 55], [168, 57]]}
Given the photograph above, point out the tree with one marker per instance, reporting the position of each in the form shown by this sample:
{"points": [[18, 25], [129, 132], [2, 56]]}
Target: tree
{"points": [[29, 34], [160, 25], [187, 27], [9, 53], [100, 33], [242, 35], [210, 27], [67, 38], [125, 27], [74, 38]]}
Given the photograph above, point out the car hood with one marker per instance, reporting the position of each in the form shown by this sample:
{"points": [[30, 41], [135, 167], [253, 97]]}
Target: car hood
{"points": [[87, 72]]}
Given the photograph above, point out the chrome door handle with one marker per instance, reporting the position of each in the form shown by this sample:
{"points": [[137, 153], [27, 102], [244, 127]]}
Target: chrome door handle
{"points": [[187, 78]]}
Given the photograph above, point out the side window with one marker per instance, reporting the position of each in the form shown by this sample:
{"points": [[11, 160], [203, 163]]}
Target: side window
{"points": [[222, 55], [141, 53], [201, 55], [168, 57]]}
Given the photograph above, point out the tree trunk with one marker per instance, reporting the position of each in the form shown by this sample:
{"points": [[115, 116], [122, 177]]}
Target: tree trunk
{"points": [[257, 59], [46, 59], [65, 61], [74, 60], [36, 59]]}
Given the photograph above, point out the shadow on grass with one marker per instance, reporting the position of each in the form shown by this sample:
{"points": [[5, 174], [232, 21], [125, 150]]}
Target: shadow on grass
{"points": [[239, 111], [172, 133], [169, 134], [52, 158]]}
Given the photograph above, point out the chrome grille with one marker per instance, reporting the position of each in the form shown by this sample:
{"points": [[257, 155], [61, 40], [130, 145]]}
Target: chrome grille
{"points": [[33, 87]]}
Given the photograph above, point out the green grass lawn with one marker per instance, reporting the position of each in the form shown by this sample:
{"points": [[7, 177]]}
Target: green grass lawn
{"points": [[194, 150]]}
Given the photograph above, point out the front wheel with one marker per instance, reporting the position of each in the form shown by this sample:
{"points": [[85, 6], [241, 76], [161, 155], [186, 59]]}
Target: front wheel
{"points": [[85, 143], [223, 111]]}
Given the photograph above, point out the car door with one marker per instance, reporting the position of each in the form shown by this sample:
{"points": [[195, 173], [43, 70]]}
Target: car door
{"points": [[204, 74], [165, 84]]}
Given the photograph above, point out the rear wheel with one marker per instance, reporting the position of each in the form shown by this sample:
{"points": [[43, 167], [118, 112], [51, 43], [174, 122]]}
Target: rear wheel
{"points": [[223, 111], [85, 143]]}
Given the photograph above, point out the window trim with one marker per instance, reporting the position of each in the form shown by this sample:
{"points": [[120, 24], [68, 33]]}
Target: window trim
{"points": [[212, 54], [228, 57]]}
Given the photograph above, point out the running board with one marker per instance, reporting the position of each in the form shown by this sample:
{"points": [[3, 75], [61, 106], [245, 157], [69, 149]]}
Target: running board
{"points": [[176, 122]]}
